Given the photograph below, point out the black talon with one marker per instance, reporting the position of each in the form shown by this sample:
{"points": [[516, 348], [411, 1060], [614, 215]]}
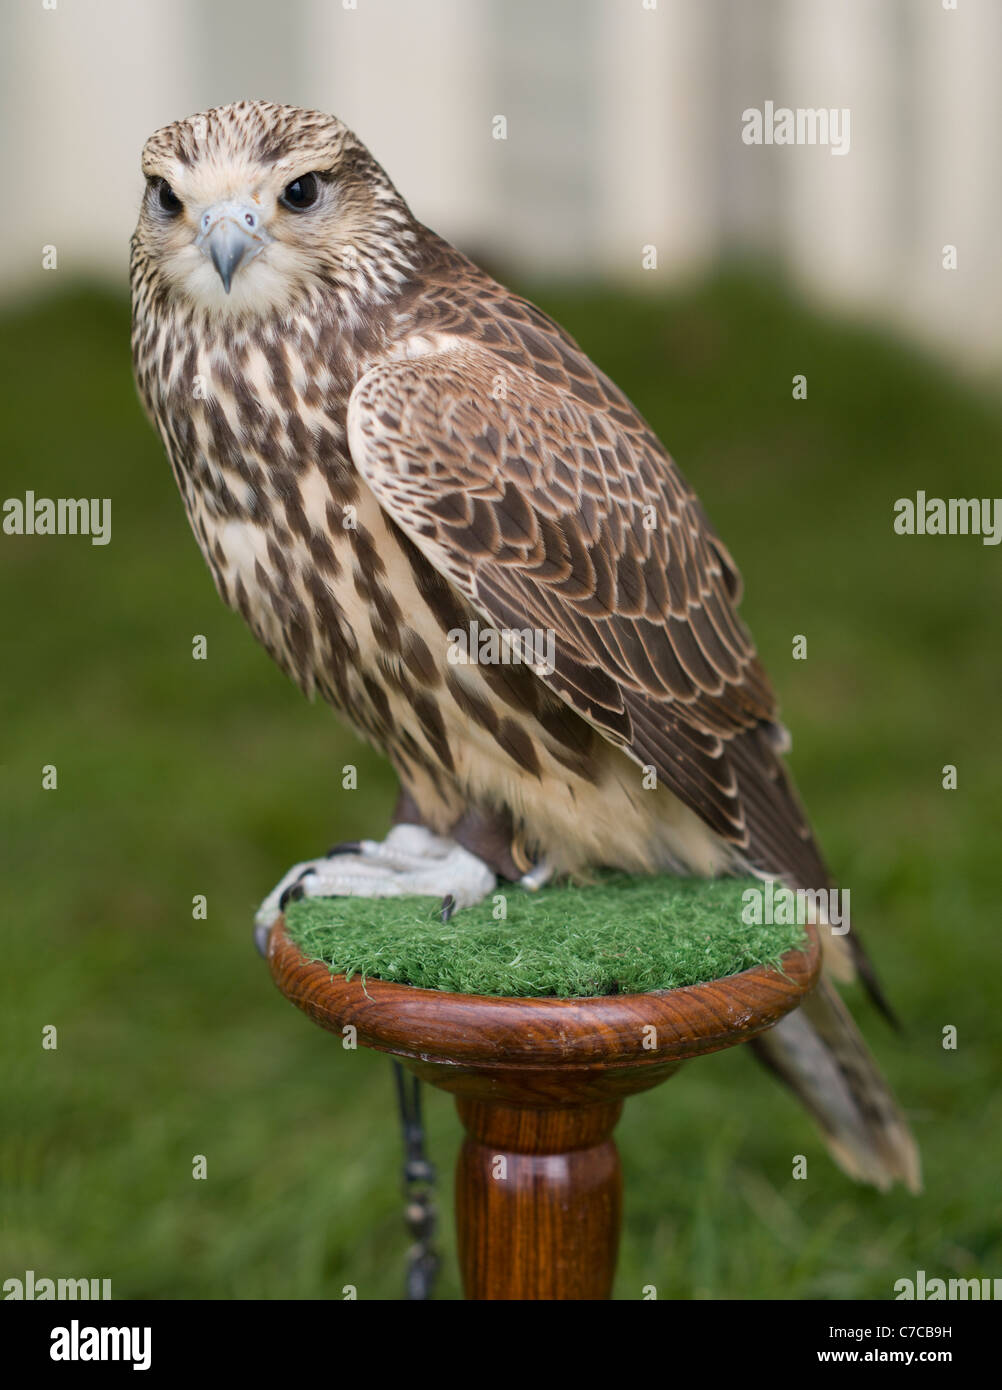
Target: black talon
{"points": [[448, 907], [261, 936], [294, 891], [345, 847]]}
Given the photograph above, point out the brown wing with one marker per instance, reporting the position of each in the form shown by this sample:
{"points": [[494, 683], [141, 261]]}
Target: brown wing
{"points": [[556, 512]]}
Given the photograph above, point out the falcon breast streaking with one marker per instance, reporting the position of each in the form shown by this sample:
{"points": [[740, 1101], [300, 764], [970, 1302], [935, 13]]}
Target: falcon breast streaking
{"points": [[378, 448]]}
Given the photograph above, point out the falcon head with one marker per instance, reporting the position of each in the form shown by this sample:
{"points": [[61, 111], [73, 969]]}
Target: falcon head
{"points": [[251, 208]]}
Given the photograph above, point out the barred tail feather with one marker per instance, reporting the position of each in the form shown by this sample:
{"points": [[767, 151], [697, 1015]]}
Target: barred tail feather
{"points": [[820, 1054]]}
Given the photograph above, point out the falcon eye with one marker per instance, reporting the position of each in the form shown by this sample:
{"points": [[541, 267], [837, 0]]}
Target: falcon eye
{"points": [[301, 193], [166, 197]]}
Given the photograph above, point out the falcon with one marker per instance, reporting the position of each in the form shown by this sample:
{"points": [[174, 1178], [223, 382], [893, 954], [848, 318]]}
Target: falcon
{"points": [[381, 449]]}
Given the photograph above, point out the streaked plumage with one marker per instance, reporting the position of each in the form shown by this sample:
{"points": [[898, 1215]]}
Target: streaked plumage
{"points": [[387, 445]]}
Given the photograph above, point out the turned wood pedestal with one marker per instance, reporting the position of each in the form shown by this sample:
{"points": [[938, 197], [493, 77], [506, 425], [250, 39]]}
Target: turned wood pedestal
{"points": [[540, 1085]]}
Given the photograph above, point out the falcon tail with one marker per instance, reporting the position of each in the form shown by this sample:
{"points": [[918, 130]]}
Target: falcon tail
{"points": [[820, 1054]]}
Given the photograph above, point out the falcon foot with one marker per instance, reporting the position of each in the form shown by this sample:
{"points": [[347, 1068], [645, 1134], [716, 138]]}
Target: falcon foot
{"points": [[411, 860]]}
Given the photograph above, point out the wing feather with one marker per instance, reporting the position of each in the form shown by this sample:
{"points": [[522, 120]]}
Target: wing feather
{"points": [[550, 504]]}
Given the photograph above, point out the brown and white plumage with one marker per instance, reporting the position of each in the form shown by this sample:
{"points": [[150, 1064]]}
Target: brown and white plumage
{"points": [[377, 444]]}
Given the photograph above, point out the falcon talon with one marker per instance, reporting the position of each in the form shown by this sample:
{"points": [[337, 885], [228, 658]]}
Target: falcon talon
{"points": [[538, 875], [412, 860], [345, 847], [448, 907], [262, 932], [293, 893]]}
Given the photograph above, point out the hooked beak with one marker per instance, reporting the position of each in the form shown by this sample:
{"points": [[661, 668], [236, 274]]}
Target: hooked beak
{"points": [[231, 234]]}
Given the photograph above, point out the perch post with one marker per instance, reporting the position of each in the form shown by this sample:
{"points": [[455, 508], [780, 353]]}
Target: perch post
{"points": [[540, 1084]]}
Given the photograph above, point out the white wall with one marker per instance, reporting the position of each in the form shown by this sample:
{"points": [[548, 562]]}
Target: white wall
{"points": [[624, 130]]}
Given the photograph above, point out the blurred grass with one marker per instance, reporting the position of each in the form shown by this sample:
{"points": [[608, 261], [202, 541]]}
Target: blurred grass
{"points": [[179, 777]]}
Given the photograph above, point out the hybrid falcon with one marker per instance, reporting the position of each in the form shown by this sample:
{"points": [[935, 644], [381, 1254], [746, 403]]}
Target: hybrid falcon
{"points": [[378, 447]]}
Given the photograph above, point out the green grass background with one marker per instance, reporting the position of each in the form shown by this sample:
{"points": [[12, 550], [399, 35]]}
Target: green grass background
{"points": [[179, 777]]}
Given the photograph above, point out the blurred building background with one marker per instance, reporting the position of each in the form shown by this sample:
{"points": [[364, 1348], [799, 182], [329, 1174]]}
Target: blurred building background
{"points": [[624, 122]]}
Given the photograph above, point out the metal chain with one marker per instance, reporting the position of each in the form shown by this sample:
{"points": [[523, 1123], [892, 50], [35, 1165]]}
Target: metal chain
{"points": [[419, 1188]]}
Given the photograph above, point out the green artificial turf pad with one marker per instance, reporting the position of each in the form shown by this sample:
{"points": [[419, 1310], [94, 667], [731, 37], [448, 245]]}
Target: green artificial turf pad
{"points": [[621, 935]]}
